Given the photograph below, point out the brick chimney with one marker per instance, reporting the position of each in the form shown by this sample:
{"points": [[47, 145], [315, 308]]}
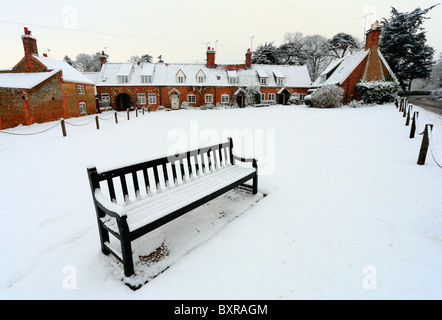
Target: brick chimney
{"points": [[372, 36], [373, 68], [103, 58], [248, 59], [210, 58], [29, 43]]}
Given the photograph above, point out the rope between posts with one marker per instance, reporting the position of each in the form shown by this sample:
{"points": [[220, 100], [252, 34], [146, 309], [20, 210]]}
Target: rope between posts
{"points": [[79, 125], [105, 119], [30, 134], [432, 150]]}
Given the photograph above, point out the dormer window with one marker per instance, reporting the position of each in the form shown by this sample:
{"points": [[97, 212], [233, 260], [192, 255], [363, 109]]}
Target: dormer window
{"points": [[233, 76], [263, 77], [200, 77], [264, 81], [279, 77], [180, 77], [146, 79], [122, 79], [124, 72]]}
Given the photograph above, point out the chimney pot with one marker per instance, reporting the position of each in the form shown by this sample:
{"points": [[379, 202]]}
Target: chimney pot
{"points": [[29, 43]]}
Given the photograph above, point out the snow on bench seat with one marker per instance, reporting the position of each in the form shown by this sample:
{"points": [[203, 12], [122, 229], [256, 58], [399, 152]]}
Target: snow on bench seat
{"points": [[145, 211]]}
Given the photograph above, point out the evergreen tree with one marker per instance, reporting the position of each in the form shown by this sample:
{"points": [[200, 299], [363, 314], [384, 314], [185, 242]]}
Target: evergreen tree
{"points": [[292, 53], [403, 44], [266, 54], [341, 44]]}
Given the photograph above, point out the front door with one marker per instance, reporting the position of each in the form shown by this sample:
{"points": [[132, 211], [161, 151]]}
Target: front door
{"points": [[174, 101]]}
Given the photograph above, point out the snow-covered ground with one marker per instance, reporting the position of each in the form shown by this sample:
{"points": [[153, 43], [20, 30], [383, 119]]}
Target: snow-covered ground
{"points": [[348, 212]]}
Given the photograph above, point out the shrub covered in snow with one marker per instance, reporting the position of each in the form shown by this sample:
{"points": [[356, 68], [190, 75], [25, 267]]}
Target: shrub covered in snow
{"points": [[308, 100], [436, 94], [378, 92], [328, 96]]}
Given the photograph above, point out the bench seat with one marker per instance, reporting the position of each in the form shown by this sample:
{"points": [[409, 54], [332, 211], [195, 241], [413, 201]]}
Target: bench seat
{"points": [[155, 206], [173, 186]]}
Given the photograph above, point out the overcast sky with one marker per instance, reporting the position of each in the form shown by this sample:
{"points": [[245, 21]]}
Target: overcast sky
{"points": [[179, 30]]}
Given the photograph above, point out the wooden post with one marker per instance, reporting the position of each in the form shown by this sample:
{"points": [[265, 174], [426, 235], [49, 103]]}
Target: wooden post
{"points": [[136, 112], [116, 117], [143, 110], [96, 121], [404, 110], [407, 121], [128, 118], [63, 128], [413, 124], [424, 145]]}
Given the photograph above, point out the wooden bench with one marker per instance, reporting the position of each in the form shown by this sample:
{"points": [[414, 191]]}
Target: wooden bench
{"points": [[136, 199]]}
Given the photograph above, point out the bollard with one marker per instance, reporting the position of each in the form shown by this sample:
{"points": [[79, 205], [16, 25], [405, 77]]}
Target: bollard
{"points": [[136, 112], [413, 124], [63, 128], [404, 110], [407, 121], [116, 117], [128, 118], [142, 110], [424, 145], [96, 122]]}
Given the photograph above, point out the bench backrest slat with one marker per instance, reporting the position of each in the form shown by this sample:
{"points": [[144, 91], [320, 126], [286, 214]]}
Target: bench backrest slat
{"points": [[186, 165]]}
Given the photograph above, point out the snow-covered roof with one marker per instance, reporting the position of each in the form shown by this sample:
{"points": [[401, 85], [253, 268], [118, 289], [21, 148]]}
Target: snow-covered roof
{"points": [[70, 74], [164, 74], [125, 69], [342, 68], [24, 80]]}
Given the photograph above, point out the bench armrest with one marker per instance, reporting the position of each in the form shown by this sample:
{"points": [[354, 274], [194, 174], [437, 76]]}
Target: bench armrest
{"points": [[110, 208], [253, 161]]}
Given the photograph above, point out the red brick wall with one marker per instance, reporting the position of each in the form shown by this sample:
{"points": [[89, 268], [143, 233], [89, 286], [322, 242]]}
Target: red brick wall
{"points": [[349, 84], [28, 64], [42, 103], [73, 99], [132, 91]]}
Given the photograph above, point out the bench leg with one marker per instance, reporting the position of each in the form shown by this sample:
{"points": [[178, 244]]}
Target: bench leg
{"points": [[126, 248], [255, 185], [104, 237]]}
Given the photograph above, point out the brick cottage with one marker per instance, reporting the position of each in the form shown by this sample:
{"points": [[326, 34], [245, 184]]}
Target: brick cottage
{"points": [[40, 89], [127, 85], [365, 65]]}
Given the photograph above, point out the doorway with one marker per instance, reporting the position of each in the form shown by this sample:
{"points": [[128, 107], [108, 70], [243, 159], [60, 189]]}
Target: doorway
{"points": [[123, 102]]}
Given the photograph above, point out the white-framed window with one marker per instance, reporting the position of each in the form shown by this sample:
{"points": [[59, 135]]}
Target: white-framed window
{"points": [[280, 81], [233, 80], [105, 97], [272, 97], [180, 77], [191, 98], [225, 98], [263, 96], [208, 98], [80, 89], [82, 106], [141, 98], [146, 79], [122, 79], [152, 98], [200, 77], [264, 81], [302, 96]]}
